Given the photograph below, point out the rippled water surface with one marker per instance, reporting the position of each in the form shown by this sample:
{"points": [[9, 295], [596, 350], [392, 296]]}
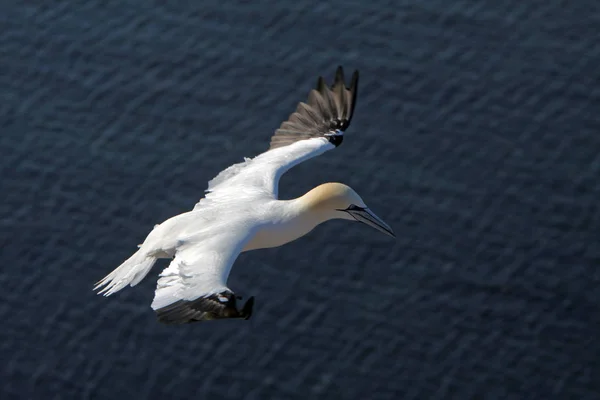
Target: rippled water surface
{"points": [[476, 136]]}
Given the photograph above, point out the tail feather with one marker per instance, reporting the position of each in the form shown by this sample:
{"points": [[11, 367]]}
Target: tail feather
{"points": [[131, 272]]}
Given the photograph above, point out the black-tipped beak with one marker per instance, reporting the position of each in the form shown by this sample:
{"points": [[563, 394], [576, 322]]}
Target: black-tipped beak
{"points": [[368, 217]]}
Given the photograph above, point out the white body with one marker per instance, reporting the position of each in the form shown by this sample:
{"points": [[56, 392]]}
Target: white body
{"points": [[240, 212]]}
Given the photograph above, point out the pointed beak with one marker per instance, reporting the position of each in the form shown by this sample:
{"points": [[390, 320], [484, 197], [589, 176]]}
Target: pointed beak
{"points": [[368, 217]]}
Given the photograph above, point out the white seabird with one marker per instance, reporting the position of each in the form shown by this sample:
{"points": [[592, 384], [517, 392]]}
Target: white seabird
{"points": [[241, 212]]}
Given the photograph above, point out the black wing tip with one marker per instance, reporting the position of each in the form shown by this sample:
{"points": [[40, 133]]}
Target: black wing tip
{"points": [[321, 85], [339, 74], [352, 88], [340, 80], [205, 309], [338, 90], [354, 80], [327, 112], [353, 93]]}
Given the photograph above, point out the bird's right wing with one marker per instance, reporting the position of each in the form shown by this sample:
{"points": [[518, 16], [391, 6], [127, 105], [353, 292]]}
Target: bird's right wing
{"points": [[194, 286], [314, 128]]}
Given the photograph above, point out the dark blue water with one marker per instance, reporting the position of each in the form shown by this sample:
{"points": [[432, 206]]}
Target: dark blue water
{"points": [[476, 136]]}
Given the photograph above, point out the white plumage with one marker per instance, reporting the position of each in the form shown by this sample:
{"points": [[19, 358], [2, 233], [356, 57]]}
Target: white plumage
{"points": [[241, 212]]}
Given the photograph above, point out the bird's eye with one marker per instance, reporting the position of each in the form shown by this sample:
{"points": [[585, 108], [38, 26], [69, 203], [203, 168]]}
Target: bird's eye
{"points": [[354, 207]]}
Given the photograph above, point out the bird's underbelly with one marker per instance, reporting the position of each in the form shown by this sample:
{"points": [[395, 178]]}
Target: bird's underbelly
{"points": [[277, 235]]}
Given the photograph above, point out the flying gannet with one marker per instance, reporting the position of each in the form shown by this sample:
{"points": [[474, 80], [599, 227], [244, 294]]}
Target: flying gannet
{"points": [[241, 212]]}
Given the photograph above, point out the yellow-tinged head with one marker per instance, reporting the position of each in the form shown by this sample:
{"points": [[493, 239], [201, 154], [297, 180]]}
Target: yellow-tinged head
{"points": [[336, 200], [332, 196]]}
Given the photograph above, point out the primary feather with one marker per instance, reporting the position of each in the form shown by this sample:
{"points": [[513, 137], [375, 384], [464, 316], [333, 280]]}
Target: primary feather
{"points": [[327, 113]]}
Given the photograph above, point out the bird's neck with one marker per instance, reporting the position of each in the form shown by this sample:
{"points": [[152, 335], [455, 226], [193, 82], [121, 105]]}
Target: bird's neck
{"points": [[313, 207], [291, 220]]}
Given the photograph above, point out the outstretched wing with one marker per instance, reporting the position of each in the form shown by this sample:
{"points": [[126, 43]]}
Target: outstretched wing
{"points": [[194, 286], [315, 127], [327, 113]]}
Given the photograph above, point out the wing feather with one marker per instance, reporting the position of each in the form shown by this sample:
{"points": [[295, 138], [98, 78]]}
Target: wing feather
{"points": [[315, 127], [194, 285], [328, 110], [259, 177]]}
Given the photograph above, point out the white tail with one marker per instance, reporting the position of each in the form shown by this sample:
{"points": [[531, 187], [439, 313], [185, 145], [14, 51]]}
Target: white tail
{"points": [[131, 272]]}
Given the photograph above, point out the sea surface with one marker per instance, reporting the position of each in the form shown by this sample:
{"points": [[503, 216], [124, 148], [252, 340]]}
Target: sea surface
{"points": [[476, 137]]}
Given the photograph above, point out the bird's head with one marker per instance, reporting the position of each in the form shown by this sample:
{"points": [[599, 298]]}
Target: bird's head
{"points": [[336, 200]]}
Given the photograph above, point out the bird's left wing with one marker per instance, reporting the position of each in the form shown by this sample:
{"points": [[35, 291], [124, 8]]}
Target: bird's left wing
{"points": [[194, 286], [315, 127]]}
